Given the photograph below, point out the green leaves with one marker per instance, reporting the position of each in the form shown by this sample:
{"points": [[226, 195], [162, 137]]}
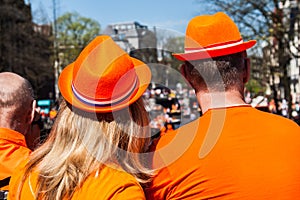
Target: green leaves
{"points": [[74, 32]]}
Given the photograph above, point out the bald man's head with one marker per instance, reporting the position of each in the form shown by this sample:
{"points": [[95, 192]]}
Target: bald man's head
{"points": [[16, 99]]}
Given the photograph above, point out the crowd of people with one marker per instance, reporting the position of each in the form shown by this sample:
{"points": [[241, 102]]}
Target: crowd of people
{"points": [[173, 108], [207, 143]]}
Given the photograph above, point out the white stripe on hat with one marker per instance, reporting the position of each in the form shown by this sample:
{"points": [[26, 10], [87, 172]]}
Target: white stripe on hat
{"points": [[214, 48], [105, 102]]}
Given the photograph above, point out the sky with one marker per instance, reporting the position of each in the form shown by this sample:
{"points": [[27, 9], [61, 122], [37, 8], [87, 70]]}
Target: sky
{"points": [[172, 15]]}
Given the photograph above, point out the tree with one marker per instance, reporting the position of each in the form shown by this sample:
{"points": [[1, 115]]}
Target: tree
{"points": [[40, 15], [266, 21], [24, 47], [73, 33], [254, 87], [173, 45]]}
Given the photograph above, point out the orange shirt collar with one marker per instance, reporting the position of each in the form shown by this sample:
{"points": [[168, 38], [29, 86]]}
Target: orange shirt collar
{"points": [[12, 136]]}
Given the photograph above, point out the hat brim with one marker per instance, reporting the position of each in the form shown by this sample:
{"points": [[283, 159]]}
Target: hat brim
{"points": [[205, 54], [65, 80]]}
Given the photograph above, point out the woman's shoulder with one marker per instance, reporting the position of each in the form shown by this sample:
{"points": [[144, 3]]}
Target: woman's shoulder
{"points": [[115, 173], [110, 183]]}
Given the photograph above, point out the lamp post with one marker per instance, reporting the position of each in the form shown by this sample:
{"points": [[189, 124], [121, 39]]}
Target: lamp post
{"points": [[56, 56]]}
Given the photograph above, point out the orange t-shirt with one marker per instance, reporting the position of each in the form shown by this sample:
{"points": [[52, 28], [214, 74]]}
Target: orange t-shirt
{"points": [[108, 183], [229, 153], [13, 150]]}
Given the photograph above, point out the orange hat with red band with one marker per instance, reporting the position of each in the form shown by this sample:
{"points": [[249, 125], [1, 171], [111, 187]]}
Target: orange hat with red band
{"points": [[210, 36], [103, 78]]}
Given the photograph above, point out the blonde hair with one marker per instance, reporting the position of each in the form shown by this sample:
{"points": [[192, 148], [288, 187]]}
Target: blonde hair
{"points": [[81, 142]]}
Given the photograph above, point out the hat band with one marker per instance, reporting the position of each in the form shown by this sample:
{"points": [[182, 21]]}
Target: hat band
{"points": [[100, 103], [214, 47]]}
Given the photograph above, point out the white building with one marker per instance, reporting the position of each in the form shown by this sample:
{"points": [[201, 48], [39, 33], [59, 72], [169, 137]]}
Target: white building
{"points": [[131, 35]]}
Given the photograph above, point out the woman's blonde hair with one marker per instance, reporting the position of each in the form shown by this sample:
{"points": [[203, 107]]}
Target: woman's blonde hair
{"points": [[80, 143]]}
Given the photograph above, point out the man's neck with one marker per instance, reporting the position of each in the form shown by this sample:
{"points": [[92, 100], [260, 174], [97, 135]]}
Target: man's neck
{"points": [[219, 99], [13, 124]]}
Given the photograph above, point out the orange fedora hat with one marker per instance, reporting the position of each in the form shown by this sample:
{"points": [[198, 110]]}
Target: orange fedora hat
{"points": [[103, 78], [210, 36]]}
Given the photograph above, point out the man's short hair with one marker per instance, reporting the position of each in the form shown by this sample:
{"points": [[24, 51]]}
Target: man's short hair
{"points": [[217, 74]]}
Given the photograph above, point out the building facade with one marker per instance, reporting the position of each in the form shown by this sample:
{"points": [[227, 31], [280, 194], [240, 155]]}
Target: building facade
{"points": [[135, 38], [282, 74]]}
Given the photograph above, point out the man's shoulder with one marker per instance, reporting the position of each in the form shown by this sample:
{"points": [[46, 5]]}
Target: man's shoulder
{"points": [[185, 131], [275, 120]]}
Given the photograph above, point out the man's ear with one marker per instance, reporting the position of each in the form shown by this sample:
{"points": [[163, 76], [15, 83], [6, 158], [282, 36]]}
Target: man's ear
{"points": [[185, 73], [183, 70], [29, 116], [33, 107], [247, 70]]}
